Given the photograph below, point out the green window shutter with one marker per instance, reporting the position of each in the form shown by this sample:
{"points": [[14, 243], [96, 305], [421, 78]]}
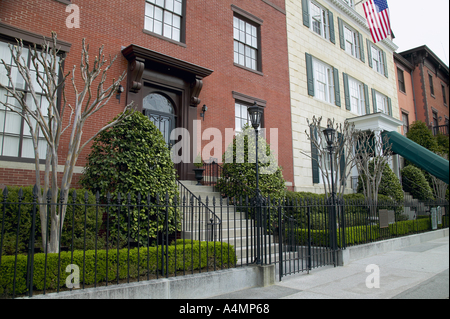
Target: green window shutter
{"points": [[369, 53], [347, 92], [341, 33], [385, 64], [331, 23], [310, 74], [337, 89], [366, 98], [390, 106], [315, 158], [305, 10], [361, 48], [374, 101]]}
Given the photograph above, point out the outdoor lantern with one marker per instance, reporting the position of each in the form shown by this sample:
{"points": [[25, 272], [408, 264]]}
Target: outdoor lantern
{"points": [[204, 109], [255, 113], [329, 135]]}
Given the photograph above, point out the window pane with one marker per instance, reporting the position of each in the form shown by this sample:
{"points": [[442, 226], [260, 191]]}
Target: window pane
{"points": [[160, 3], [177, 7], [10, 146], [158, 14], [157, 27], [169, 5], [148, 24], [176, 34]]}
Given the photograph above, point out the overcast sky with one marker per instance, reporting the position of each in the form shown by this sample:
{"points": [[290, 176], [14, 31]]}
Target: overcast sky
{"points": [[421, 22]]}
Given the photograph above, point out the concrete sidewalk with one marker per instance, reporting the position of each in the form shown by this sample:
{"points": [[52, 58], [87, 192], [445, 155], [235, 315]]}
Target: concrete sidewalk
{"points": [[416, 272]]}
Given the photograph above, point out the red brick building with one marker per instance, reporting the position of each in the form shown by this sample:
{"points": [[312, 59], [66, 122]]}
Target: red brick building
{"points": [[179, 55], [431, 87]]}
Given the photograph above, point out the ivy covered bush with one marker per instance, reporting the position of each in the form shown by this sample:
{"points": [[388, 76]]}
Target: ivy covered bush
{"points": [[415, 183], [239, 175], [130, 159]]}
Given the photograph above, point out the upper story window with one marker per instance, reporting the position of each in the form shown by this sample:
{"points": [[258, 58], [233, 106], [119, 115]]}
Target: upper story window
{"points": [[405, 120], [381, 103], [401, 80], [357, 98], [444, 97], [430, 79], [351, 42], [350, 3], [324, 81], [15, 137], [246, 43], [377, 59], [319, 19], [164, 17]]}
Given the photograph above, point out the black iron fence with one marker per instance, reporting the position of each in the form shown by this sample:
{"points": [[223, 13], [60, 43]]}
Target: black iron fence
{"points": [[121, 239]]}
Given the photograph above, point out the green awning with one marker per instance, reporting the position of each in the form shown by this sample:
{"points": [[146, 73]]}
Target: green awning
{"points": [[419, 155]]}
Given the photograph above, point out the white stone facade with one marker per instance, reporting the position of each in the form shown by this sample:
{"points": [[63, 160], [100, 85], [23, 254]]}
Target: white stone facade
{"points": [[302, 40]]}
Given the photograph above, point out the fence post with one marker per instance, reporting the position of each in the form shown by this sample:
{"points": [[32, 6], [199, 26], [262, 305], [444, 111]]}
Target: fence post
{"points": [[280, 242], [31, 245], [308, 215]]}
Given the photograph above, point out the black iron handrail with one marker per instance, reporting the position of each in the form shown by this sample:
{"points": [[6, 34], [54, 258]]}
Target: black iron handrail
{"points": [[214, 220]]}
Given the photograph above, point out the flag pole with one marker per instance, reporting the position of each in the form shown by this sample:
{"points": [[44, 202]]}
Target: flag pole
{"points": [[359, 2]]}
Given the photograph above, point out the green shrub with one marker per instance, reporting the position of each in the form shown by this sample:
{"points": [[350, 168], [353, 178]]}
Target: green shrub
{"points": [[389, 184], [197, 255], [415, 183], [133, 158], [362, 234], [239, 177], [76, 217]]}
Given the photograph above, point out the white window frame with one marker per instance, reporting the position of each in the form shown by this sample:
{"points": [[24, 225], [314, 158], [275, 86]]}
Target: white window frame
{"points": [[241, 116], [382, 102], [357, 96], [377, 59], [352, 45], [323, 79], [246, 40], [164, 18], [350, 3], [322, 19]]}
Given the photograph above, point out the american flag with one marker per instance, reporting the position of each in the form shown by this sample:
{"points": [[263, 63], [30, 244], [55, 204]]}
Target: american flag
{"points": [[377, 15]]}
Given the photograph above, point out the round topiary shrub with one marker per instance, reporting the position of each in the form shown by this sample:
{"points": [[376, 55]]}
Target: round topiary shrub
{"points": [[239, 168], [415, 183], [130, 159]]}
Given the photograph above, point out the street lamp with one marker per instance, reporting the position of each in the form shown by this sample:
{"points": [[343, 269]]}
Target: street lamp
{"points": [[330, 134], [255, 112]]}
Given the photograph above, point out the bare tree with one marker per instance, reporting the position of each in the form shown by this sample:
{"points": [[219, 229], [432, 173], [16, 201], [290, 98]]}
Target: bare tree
{"points": [[371, 155], [50, 123], [342, 159]]}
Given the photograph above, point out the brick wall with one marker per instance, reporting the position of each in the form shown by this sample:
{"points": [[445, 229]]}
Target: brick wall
{"points": [[209, 43]]}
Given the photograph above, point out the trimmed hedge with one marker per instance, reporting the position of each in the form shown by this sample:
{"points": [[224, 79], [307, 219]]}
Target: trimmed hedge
{"points": [[197, 255], [363, 234]]}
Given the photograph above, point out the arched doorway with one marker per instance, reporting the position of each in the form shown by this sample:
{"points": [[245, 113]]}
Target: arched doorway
{"points": [[160, 110]]}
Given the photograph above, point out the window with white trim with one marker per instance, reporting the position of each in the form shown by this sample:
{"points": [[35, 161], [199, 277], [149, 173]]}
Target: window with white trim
{"points": [[15, 137], [357, 99], [245, 43], [382, 102], [164, 17], [319, 20], [349, 3], [377, 60], [351, 42], [324, 81]]}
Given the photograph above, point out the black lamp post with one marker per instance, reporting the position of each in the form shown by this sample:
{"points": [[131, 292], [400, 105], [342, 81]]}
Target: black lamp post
{"points": [[255, 112], [330, 135]]}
